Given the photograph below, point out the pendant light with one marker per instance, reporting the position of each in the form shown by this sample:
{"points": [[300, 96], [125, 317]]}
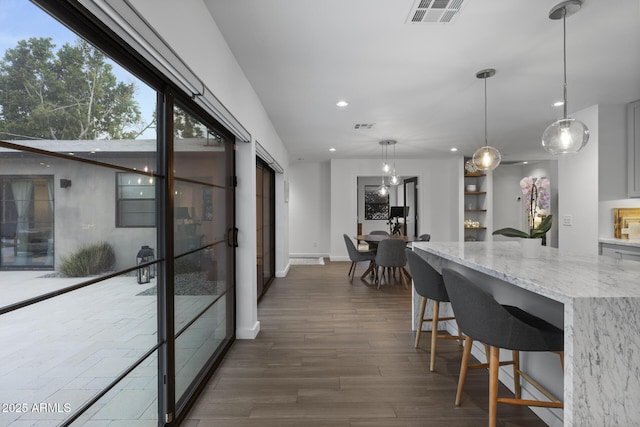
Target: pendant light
{"points": [[487, 157], [394, 179], [383, 190], [566, 135]]}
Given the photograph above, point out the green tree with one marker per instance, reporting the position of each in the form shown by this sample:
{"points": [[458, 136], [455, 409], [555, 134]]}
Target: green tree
{"points": [[185, 125], [71, 93]]}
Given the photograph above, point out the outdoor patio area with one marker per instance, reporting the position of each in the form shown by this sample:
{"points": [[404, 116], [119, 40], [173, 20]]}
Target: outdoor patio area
{"points": [[59, 353]]}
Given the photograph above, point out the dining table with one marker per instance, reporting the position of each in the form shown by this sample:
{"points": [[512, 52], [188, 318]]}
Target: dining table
{"points": [[377, 238]]}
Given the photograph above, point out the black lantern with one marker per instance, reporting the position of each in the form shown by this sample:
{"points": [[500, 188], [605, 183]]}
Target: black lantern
{"points": [[146, 273]]}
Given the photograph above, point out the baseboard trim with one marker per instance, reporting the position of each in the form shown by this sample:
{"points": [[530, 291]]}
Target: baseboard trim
{"points": [[248, 333]]}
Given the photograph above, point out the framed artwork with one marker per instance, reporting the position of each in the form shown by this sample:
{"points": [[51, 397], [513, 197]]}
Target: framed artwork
{"points": [[375, 205]]}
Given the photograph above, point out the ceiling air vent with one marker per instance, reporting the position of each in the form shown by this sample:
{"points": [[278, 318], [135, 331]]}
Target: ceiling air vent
{"points": [[363, 125], [433, 11]]}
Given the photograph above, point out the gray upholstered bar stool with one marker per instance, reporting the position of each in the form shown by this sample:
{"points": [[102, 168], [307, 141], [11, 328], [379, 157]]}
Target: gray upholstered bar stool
{"points": [[429, 285], [480, 317]]}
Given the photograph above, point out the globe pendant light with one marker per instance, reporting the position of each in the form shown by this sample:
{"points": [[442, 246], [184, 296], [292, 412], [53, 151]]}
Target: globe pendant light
{"points": [[487, 157], [565, 135]]}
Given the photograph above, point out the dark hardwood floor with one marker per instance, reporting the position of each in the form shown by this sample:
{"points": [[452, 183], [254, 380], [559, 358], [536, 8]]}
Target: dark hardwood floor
{"points": [[331, 353]]}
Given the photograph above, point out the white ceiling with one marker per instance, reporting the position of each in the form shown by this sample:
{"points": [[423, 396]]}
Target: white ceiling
{"points": [[417, 82]]}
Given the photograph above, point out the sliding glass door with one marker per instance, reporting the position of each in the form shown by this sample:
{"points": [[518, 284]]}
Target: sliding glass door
{"points": [[117, 219], [203, 234], [265, 231]]}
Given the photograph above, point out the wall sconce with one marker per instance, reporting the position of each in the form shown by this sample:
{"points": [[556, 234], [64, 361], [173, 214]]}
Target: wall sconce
{"points": [[65, 183]]}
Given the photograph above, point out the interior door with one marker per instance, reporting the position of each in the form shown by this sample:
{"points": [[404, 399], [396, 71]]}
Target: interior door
{"points": [[410, 192]]}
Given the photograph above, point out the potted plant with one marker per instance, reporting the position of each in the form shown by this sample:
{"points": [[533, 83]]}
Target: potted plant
{"points": [[536, 191]]}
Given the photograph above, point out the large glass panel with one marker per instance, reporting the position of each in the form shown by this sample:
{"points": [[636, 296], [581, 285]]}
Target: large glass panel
{"points": [[133, 401], [65, 350], [203, 278], [265, 232], [72, 122]]}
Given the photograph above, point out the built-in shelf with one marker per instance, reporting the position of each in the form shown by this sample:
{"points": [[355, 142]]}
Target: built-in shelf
{"points": [[475, 208]]}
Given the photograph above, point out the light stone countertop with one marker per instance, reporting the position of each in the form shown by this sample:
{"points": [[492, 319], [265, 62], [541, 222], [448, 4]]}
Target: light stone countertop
{"points": [[554, 274], [601, 298]]}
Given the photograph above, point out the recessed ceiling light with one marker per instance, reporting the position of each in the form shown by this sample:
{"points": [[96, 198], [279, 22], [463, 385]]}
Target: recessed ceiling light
{"points": [[558, 103], [332, 149], [342, 103], [525, 163], [453, 149]]}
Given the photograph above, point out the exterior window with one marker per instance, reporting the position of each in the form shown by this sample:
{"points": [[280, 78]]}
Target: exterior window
{"points": [[135, 200]]}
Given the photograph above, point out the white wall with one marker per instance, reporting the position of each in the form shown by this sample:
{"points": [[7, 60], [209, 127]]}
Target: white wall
{"points": [[612, 168], [310, 207], [578, 191], [439, 182], [191, 31], [594, 181]]}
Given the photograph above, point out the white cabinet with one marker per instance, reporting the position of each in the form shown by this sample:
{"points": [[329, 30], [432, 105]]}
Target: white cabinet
{"points": [[621, 251], [633, 135]]}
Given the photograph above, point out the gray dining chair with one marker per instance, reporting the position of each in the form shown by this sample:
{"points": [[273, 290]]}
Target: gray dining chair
{"points": [[480, 317], [429, 284], [425, 237], [357, 256], [391, 255], [381, 232]]}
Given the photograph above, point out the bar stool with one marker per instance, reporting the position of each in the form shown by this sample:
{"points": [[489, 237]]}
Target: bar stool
{"points": [[480, 317], [429, 285]]}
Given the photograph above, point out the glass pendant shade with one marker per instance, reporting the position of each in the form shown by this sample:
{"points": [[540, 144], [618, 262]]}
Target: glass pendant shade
{"points": [[383, 190], [565, 136], [395, 179], [486, 158]]}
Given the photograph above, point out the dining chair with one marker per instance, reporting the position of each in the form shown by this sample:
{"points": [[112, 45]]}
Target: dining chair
{"points": [[429, 284], [381, 232], [425, 237], [357, 256], [480, 317], [391, 254]]}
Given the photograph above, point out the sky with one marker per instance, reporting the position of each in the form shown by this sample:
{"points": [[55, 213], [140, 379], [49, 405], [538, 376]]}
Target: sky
{"points": [[21, 20]]}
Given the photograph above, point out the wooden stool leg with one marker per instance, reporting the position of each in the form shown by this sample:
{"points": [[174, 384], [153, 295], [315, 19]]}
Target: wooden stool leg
{"points": [[464, 365], [561, 354], [494, 365], [423, 306], [516, 373], [434, 334]]}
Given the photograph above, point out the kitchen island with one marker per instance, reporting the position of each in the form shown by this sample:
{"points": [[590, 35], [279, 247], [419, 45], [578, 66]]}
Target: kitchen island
{"points": [[596, 299]]}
